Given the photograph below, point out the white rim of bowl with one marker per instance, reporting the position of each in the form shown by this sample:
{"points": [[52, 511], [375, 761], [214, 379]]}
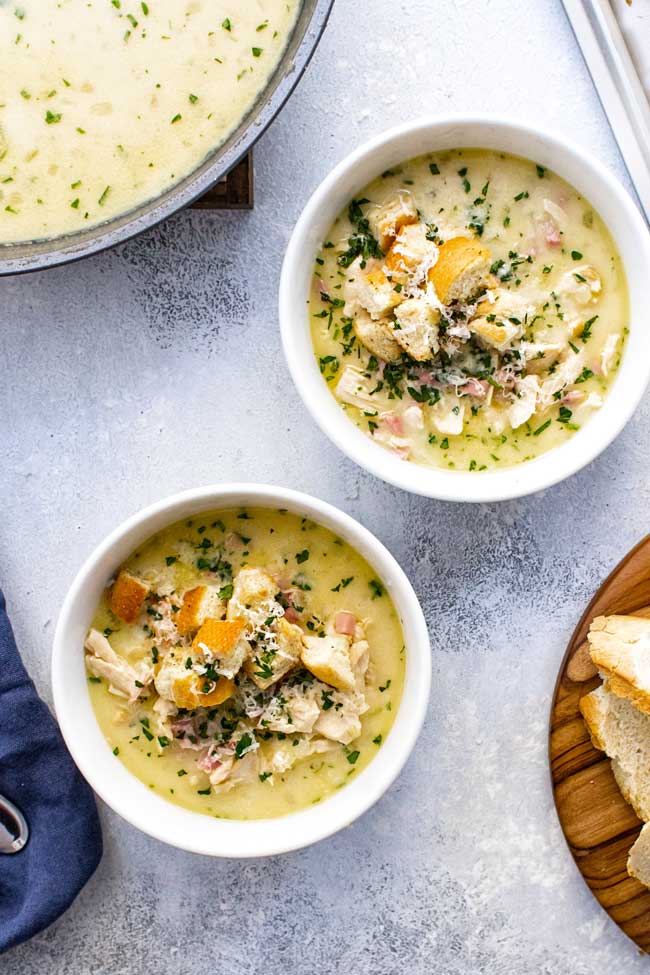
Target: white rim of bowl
{"points": [[498, 485], [201, 833]]}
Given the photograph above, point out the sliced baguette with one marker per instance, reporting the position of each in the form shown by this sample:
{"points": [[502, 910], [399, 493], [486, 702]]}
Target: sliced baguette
{"points": [[620, 648], [623, 733], [638, 862]]}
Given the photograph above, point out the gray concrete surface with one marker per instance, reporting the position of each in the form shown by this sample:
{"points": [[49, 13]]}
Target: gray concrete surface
{"points": [[158, 367]]}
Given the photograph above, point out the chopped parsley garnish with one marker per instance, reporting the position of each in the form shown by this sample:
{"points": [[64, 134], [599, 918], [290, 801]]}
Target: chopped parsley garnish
{"points": [[541, 429], [584, 375], [362, 243], [376, 588], [243, 745], [586, 329], [343, 584]]}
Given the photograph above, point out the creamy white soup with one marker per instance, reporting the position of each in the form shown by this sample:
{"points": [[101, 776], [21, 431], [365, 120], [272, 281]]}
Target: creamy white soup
{"points": [[245, 663], [105, 104], [469, 310]]}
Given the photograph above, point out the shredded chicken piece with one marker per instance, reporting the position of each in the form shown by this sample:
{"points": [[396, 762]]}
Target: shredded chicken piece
{"points": [[125, 680]]}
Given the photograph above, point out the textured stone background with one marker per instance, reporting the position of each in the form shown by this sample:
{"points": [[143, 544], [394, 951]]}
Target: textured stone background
{"points": [[158, 367]]}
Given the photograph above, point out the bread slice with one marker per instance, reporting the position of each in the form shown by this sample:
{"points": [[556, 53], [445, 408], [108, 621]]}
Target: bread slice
{"points": [[623, 733], [462, 269], [638, 862], [620, 648]]}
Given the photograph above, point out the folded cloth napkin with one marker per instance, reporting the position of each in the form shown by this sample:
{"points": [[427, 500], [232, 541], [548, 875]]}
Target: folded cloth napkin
{"points": [[38, 775]]}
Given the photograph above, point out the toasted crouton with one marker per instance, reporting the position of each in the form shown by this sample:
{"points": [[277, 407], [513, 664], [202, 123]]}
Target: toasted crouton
{"points": [[280, 654], [221, 642], [253, 590], [416, 328], [461, 270], [328, 658], [412, 254], [185, 687], [376, 336], [500, 320], [497, 334], [387, 221], [126, 596], [199, 604], [620, 648], [369, 289]]}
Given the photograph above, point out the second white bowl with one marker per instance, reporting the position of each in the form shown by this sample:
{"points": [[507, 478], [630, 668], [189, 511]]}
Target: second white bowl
{"points": [[591, 179], [130, 797]]}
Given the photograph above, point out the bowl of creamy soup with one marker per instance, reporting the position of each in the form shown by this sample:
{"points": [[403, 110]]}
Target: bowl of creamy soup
{"points": [[241, 670], [115, 114], [462, 308]]}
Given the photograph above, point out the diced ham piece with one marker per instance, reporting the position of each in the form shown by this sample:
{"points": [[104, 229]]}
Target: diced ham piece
{"points": [[234, 540], [184, 730], [573, 397], [393, 423], [345, 623], [505, 378], [210, 761], [291, 615], [398, 445], [552, 233]]}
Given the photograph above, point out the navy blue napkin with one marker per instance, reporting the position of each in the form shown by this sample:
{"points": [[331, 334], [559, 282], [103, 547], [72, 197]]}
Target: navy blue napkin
{"points": [[38, 775]]}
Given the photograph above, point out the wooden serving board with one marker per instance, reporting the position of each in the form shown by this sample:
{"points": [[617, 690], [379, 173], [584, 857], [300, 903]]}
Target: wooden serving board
{"points": [[598, 824]]}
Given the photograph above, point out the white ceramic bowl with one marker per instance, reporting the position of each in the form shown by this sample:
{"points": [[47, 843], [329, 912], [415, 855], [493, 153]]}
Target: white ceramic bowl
{"points": [[126, 794], [591, 179]]}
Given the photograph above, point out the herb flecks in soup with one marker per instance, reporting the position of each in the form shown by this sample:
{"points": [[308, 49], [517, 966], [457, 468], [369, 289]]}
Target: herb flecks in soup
{"points": [[469, 310], [106, 104], [245, 664]]}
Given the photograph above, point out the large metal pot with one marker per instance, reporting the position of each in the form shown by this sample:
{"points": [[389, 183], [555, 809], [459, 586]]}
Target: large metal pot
{"points": [[17, 258]]}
